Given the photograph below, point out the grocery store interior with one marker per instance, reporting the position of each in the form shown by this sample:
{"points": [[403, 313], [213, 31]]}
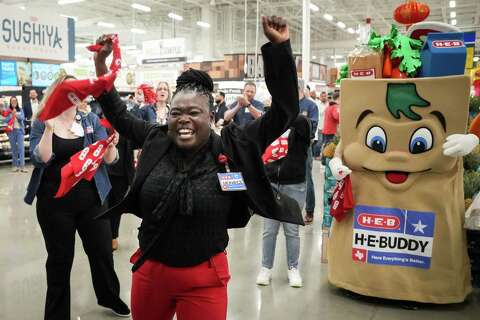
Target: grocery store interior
{"points": [[381, 232]]}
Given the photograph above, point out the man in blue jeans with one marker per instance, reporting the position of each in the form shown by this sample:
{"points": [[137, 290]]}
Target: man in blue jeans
{"points": [[287, 176], [309, 109]]}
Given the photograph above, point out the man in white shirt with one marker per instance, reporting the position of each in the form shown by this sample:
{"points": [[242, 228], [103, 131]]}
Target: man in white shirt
{"points": [[322, 104]]}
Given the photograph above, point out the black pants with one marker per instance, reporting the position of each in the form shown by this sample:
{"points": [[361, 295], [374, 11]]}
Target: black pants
{"points": [[119, 188], [59, 220]]}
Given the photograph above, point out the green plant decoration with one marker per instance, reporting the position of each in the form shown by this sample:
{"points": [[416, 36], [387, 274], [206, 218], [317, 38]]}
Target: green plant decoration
{"points": [[403, 47], [471, 183], [474, 106], [471, 161], [409, 51], [343, 74]]}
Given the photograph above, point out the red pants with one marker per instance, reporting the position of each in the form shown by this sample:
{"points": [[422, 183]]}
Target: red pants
{"points": [[199, 292]]}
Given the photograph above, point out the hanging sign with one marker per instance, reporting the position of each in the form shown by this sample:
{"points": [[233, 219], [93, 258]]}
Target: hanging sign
{"points": [[163, 49], [36, 35]]}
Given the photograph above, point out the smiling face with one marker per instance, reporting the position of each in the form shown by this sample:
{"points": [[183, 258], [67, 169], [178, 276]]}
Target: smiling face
{"points": [[189, 121], [13, 102], [401, 143]]}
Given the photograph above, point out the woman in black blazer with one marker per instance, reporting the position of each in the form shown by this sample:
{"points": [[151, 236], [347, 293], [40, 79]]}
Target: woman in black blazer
{"points": [[181, 266]]}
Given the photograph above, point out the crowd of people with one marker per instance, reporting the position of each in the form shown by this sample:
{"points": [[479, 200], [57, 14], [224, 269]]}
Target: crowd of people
{"points": [[169, 154]]}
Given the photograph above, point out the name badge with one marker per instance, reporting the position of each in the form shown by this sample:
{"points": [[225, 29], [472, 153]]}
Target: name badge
{"points": [[231, 181], [89, 129]]}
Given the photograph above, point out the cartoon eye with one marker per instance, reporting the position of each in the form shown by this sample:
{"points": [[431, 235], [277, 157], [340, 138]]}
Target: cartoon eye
{"points": [[421, 141], [377, 139]]}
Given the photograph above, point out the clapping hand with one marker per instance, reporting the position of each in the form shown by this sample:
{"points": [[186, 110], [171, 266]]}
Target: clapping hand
{"points": [[243, 101]]}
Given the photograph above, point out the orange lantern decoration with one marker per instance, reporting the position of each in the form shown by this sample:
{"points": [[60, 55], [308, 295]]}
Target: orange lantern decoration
{"points": [[411, 12]]}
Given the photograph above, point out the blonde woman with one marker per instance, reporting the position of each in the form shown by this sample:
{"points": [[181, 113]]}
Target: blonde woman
{"points": [[52, 143]]}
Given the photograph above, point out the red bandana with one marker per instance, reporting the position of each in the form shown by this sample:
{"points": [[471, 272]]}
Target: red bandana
{"points": [[277, 150], [342, 199], [149, 94], [70, 93], [107, 125], [82, 165], [11, 122]]}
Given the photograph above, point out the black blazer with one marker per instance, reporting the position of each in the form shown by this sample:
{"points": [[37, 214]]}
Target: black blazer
{"points": [[243, 146], [27, 110]]}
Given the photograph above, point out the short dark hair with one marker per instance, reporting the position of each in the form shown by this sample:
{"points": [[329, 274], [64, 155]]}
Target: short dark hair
{"points": [[336, 95], [323, 92], [221, 93], [250, 83], [196, 81]]}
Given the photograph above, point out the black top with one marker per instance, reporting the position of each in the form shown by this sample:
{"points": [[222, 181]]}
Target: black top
{"points": [[125, 166], [220, 111], [188, 240], [63, 149], [292, 168]]}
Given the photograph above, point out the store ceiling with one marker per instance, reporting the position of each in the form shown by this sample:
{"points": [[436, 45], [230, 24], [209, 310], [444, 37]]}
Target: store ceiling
{"points": [[227, 20]]}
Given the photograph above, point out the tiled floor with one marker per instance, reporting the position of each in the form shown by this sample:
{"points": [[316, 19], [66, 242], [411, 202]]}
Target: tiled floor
{"points": [[23, 284]]}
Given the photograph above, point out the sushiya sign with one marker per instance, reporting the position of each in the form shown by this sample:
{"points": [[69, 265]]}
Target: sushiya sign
{"points": [[36, 35]]}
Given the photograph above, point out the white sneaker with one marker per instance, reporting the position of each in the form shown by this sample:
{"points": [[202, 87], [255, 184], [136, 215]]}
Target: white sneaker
{"points": [[294, 278], [264, 276]]}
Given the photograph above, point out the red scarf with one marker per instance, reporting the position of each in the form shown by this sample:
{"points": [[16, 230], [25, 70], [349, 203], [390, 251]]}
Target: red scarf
{"points": [[83, 165], [72, 92], [277, 150], [342, 199], [107, 125], [11, 122]]}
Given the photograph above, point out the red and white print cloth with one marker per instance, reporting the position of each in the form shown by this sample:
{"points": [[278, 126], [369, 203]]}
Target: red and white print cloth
{"points": [[72, 92], [83, 165]]}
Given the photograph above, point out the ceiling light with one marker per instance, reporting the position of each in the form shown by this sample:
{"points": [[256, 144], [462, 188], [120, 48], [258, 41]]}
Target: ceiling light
{"points": [[336, 57], [341, 25], [475, 59], [141, 7], [350, 30], [203, 24], [22, 7], [314, 57], [357, 31], [328, 17], [132, 47], [174, 16], [453, 22], [452, 4], [453, 14], [67, 16], [313, 7], [62, 2], [105, 24], [135, 30]]}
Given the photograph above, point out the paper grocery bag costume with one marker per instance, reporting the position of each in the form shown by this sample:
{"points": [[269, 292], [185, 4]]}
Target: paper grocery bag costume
{"points": [[404, 239]]}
